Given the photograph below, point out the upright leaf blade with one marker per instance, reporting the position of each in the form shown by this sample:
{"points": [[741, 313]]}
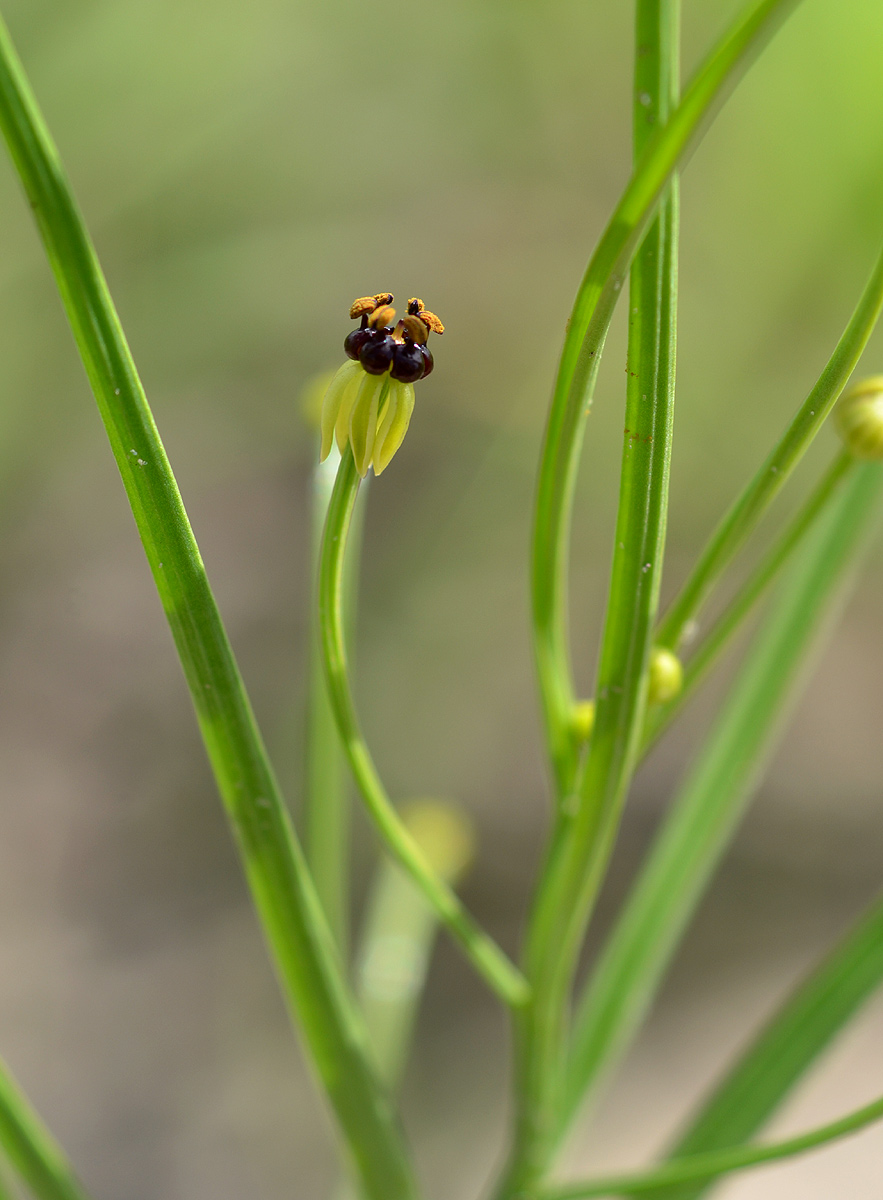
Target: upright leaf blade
{"points": [[788, 1045]]}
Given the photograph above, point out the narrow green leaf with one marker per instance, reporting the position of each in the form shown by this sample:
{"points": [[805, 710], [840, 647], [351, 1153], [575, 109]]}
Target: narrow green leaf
{"points": [[789, 1044], [484, 954], [717, 790], [583, 342], [31, 1148], [706, 1167], [745, 514], [281, 887]]}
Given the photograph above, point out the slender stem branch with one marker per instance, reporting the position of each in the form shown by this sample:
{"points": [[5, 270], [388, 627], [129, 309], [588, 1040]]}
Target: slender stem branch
{"points": [[718, 1162], [712, 799], [282, 890], [634, 594], [583, 343], [31, 1148], [487, 958], [731, 619], [759, 493], [326, 800]]}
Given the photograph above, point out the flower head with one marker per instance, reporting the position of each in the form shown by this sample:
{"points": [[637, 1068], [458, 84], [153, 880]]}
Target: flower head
{"points": [[370, 400]]}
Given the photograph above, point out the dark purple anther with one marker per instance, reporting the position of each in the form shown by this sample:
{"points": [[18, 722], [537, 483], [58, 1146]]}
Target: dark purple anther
{"points": [[408, 364], [376, 354]]}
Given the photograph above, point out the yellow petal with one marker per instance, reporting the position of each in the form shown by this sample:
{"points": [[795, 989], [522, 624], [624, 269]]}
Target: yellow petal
{"points": [[394, 425], [363, 422], [342, 425], [332, 401]]}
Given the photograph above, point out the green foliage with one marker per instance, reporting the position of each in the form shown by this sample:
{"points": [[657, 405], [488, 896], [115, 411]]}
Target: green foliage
{"points": [[356, 1034]]}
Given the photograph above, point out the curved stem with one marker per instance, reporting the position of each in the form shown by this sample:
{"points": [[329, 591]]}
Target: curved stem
{"points": [[760, 492], [583, 343], [327, 803], [728, 623], [717, 1162], [487, 958], [281, 887]]}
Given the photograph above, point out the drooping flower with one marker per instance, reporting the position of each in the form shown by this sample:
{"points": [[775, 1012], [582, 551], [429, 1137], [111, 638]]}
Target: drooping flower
{"points": [[370, 400]]}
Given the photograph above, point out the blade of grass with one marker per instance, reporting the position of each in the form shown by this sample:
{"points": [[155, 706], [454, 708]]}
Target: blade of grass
{"points": [[728, 623], [789, 1044], [717, 790], [707, 1167], [484, 954], [281, 887], [634, 589], [583, 342], [762, 489], [31, 1148]]}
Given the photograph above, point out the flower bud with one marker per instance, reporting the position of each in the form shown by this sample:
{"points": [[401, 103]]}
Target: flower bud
{"points": [[666, 676], [445, 835], [859, 418], [582, 720]]}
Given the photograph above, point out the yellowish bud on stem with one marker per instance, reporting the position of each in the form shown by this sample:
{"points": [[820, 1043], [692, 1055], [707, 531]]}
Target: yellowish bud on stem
{"points": [[859, 419], [583, 720], [666, 676]]}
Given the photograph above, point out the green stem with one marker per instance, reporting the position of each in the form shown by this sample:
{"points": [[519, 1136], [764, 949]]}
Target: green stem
{"points": [[326, 802], [583, 343], [717, 1162], [484, 954], [713, 798], [31, 1148], [731, 619], [759, 493], [281, 887], [632, 603]]}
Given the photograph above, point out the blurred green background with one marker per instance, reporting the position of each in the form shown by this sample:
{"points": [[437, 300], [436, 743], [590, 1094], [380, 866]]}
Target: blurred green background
{"points": [[246, 170]]}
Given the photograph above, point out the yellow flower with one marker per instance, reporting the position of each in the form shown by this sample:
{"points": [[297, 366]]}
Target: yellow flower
{"points": [[369, 401]]}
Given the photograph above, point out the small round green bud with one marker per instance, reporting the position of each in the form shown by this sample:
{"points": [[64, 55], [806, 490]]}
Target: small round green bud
{"points": [[582, 720], [859, 418], [666, 676]]}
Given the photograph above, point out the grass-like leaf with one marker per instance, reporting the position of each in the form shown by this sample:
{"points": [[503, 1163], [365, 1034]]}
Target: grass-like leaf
{"points": [[31, 1148], [789, 1044], [281, 887], [720, 784]]}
